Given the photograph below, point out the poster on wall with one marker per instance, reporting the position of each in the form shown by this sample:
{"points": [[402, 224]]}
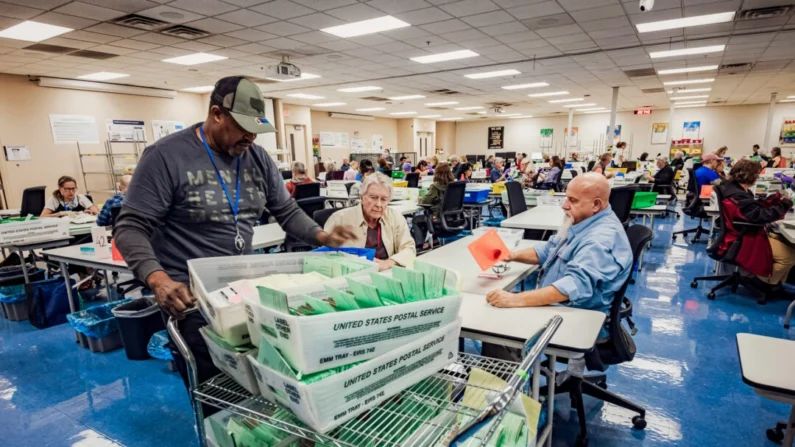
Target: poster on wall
{"points": [[572, 138], [358, 145], [659, 133], [496, 137], [162, 128], [378, 142], [125, 130], [616, 135], [691, 130], [327, 139], [69, 129], [17, 153], [342, 139], [787, 135], [546, 139]]}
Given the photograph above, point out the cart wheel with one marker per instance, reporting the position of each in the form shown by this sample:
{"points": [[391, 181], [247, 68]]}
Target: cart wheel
{"points": [[693, 241], [711, 295], [639, 422], [673, 237], [581, 441], [694, 284], [775, 435], [602, 385]]}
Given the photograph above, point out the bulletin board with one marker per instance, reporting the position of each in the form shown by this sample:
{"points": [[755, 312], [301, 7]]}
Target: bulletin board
{"points": [[335, 139]]}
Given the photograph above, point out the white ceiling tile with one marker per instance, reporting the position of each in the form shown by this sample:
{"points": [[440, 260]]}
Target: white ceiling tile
{"points": [[476, 44], [489, 18], [582, 45], [393, 7], [507, 4], [89, 36], [251, 35], [123, 5], [169, 51], [504, 28], [655, 15], [318, 21], [246, 17], [283, 43], [659, 5], [214, 26], [314, 38], [575, 5], [162, 39], [282, 28], [446, 26], [394, 47], [204, 7], [64, 42], [344, 45], [711, 8], [54, 18], [423, 16], [560, 31], [135, 44], [283, 9], [322, 5], [459, 36], [604, 12], [605, 24], [230, 53], [371, 40], [546, 8], [528, 44], [407, 33], [610, 33], [254, 48], [545, 22], [518, 37], [170, 15], [469, 7], [355, 13], [88, 11], [568, 38], [222, 41], [114, 50], [430, 43], [18, 11]]}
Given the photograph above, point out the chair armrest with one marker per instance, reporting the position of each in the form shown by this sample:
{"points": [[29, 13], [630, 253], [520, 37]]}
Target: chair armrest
{"points": [[746, 226]]}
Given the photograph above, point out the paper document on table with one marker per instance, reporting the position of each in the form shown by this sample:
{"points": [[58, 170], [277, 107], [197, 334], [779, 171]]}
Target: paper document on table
{"points": [[489, 250], [413, 283], [389, 289]]}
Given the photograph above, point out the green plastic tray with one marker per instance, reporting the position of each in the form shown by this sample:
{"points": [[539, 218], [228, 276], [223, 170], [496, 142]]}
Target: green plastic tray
{"points": [[644, 199]]}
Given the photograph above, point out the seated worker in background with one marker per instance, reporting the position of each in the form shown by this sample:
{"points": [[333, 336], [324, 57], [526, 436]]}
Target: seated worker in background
{"points": [[365, 168], [574, 157], [423, 168], [345, 165], [605, 161], [455, 161], [552, 177], [441, 178], [490, 162], [720, 169], [66, 199], [383, 165], [721, 152], [644, 156], [664, 176], [520, 161], [405, 164], [378, 226], [706, 175], [756, 151], [331, 168], [466, 172], [764, 254], [105, 218], [353, 172], [678, 163], [299, 177], [497, 173], [776, 160], [585, 263]]}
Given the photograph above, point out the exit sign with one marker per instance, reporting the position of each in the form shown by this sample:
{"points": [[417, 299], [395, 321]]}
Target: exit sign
{"points": [[643, 112]]}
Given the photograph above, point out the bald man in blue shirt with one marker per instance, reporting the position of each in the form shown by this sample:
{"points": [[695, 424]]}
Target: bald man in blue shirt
{"points": [[586, 262]]}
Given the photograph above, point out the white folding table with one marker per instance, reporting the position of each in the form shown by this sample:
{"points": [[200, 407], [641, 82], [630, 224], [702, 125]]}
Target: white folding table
{"points": [[542, 217]]}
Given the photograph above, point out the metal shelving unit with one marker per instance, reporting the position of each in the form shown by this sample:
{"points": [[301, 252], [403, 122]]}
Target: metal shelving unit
{"points": [[110, 158]]}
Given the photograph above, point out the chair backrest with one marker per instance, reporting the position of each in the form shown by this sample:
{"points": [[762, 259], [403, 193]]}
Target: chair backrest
{"points": [[337, 175], [639, 236], [413, 179], [312, 204], [516, 200], [451, 213], [114, 214], [621, 202], [90, 199], [307, 190], [591, 165], [573, 173], [287, 175], [32, 201], [321, 216]]}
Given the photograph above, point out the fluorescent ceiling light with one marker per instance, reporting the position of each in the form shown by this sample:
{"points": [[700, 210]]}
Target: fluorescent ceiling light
{"points": [[679, 98], [521, 86], [469, 108], [451, 119], [442, 57], [556, 101], [703, 104], [541, 95], [194, 59], [304, 96], [377, 25], [521, 116], [690, 90], [708, 19], [690, 81], [580, 105], [102, 76], [303, 76], [787, 100], [482, 112], [401, 98], [687, 70], [493, 74], [201, 89], [328, 104], [429, 116], [33, 31], [595, 109], [370, 109], [366, 88], [403, 113], [791, 97], [687, 51], [508, 115], [690, 102], [443, 103]]}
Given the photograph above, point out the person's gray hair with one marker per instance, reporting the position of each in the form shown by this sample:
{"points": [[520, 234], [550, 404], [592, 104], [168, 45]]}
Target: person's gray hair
{"points": [[299, 168], [679, 154], [498, 159], [125, 180], [663, 159], [330, 166], [377, 178], [456, 158]]}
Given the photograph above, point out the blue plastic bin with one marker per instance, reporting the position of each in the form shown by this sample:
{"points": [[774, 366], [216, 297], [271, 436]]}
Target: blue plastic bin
{"points": [[13, 301], [476, 195], [368, 253], [99, 326]]}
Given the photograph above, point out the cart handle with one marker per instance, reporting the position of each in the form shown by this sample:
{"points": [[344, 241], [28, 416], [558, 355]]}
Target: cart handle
{"points": [[537, 343], [193, 378]]}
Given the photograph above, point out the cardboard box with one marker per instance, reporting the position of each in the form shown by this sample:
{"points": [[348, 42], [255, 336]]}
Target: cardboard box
{"points": [[330, 402], [233, 363]]}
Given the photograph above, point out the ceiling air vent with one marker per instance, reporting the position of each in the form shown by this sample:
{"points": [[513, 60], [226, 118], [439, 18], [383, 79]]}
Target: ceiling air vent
{"points": [[45, 48], [374, 98], [653, 90], [93, 54], [640, 72], [184, 32], [445, 91], [140, 22], [765, 13], [730, 69], [438, 108], [500, 104]]}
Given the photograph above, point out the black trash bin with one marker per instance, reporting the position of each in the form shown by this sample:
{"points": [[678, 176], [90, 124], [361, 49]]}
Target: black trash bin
{"points": [[138, 320]]}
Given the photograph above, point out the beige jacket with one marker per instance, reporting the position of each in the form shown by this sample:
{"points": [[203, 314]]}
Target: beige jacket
{"points": [[394, 232]]}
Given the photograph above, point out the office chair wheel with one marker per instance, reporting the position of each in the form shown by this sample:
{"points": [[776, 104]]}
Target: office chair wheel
{"points": [[694, 284], [582, 441], [602, 385], [711, 295], [775, 434], [632, 280], [693, 241], [639, 422], [673, 237]]}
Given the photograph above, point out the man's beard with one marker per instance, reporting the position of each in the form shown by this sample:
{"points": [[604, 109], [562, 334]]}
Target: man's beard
{"points": [[563, 230]]}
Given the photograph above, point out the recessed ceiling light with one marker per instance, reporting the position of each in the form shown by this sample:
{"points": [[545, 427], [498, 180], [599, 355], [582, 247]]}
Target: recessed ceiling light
{"points": [[687, 70], [202, 89], [687, 51], [689, 97], [377, 25], [403, 113], [595, 109], [194, 59], [482, 112], [493, 74], [328, 104], [366, 88], [708, 19], [451, 119], [690, 81], [703, 104], [443, 103], [371, 109], [690, 90], [521, 86], [521, 116], [690, 102], [303, 77], [508, 115], [580, 105], [304, 96], [401, 98], [787, 100], [33, 31], [469, 108], [429, 116], [541, 95], [442, 57], [556, 101], [102, 76]]}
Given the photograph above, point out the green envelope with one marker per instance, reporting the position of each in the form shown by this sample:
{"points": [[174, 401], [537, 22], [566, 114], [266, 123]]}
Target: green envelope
{"points": [[342, 300], [389, 289], [434, 278], [413, 283], [366, 296]]}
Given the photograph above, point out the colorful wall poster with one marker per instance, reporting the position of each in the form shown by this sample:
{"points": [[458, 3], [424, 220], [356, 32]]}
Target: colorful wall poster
{"points": [[572, 138], [616, 135], [691, 130], [161, 128], [546, 138], [787, 135], [496, 134], [659, 133]]}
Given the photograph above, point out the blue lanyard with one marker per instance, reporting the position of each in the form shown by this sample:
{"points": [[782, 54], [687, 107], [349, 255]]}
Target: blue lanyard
{"points": [[236, 206]]}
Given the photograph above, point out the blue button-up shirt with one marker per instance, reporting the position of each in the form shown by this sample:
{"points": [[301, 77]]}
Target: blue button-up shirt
{"points": [[590, 265], [105, 217]]}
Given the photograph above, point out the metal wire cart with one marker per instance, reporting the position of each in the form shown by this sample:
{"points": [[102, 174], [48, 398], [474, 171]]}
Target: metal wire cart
{"points": [[430, 413]]}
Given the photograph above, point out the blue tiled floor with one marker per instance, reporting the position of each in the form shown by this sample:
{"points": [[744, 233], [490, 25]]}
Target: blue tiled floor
{"points": [[54, 393]]}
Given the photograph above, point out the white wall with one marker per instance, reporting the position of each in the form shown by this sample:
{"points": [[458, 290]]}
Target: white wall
{"points": [[321, 122]]}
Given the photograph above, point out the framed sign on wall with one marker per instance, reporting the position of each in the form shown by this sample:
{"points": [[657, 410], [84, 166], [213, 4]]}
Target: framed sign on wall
{"points": [[496, 134]]}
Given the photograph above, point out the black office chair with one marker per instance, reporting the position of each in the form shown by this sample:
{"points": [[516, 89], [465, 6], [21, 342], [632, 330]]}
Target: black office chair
{"points": [[452, 220], [637, 233], [573, 173], [306, 191], [413, 179], [621, 202], [693, 208], [308, 206], [114, 214], [667, 189], [591, 165], [90, 199], [322, 216], [32, 201], [287, 175], [516, 200], [264, 218], [735, 279]]}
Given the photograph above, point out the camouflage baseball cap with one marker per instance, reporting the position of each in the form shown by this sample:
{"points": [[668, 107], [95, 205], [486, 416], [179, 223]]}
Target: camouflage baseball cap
{"points": [[243, 100]]}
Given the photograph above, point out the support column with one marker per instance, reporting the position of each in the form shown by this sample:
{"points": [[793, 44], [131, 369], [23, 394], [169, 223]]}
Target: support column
{"points": [[769, 126], [670, 126], [613, 107], [571, 122]]}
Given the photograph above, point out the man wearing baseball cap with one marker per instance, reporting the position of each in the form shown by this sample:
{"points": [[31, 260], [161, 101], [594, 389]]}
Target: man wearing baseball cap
{"points": [[706, 175], [198, 193]]}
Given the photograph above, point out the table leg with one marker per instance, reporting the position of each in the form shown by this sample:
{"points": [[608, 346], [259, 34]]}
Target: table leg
{"points": [[711, 226], [21, 255], [790, 434], [537, 379], [551, 397], [107, 286], [640, 261], [72, 307], [651, 225]]}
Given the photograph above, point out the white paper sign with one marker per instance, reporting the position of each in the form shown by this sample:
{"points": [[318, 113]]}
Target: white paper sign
{"points": [[378, 142], [162, 128], [101, 245], [358, 145], [67, 129], [125, 130], [17, 153], [327, 139]]}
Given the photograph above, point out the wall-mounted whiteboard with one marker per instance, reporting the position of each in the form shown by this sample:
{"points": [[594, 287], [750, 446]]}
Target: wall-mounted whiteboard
{"points": [[335, 139]]}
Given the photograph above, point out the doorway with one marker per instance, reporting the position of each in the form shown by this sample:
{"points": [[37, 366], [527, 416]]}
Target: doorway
{"points": [[296, 143], [425, 142]]}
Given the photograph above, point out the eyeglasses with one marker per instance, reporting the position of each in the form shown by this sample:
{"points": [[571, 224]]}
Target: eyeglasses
{"points": [[70, 189]]}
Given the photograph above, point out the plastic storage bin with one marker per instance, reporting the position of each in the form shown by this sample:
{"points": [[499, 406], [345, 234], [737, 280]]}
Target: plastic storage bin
{"points": [[644, 199], [398, 174], [498, 188], [138, 320], [403, 184], [99, 326], [13, 300], [476, 195]]}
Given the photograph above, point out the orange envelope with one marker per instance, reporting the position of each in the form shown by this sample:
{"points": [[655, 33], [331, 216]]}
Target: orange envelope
{"points": [[488, 250], [115, 253], [706, 192]]}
